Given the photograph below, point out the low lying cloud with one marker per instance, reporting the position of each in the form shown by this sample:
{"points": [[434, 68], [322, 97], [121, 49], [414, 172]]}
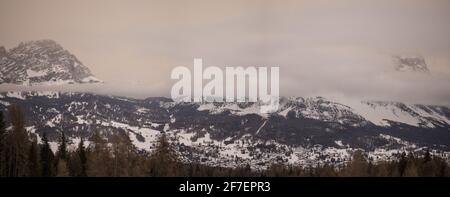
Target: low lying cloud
{"points": [[336, 48]]}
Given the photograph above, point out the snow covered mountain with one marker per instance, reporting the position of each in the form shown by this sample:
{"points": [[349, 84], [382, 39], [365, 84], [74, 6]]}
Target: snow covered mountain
{"points": [[411, 63], [304, 131], [42, 62]]}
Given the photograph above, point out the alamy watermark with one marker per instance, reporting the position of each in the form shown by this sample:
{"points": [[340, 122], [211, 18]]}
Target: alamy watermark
{"points": [[190, 88]]}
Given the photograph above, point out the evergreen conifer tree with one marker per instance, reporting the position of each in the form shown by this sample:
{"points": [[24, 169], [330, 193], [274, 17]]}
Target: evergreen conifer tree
{"points": [[46, 158]]}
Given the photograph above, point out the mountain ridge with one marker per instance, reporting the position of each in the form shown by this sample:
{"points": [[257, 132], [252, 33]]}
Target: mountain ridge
{"points": [[306, 131], [42, 62]]}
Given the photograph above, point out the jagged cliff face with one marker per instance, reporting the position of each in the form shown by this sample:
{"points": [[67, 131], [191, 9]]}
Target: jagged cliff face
{"points": [[42, 62], [3, 52], [305, 131]]}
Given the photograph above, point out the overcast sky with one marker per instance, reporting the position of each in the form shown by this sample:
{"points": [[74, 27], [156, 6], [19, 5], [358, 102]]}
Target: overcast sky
{"points": [[331, 48]]}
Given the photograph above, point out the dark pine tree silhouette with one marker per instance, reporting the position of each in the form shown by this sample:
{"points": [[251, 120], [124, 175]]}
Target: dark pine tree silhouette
{"points": [[427, 156], [62, 163], [402, 164], [81, 151], [62, 148], [33, 163], [17, 144], [163, 161], [3, 152]]}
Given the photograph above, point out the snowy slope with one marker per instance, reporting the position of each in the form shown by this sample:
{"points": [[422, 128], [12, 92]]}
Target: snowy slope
{"points": [[359, 112], [305, 131]]}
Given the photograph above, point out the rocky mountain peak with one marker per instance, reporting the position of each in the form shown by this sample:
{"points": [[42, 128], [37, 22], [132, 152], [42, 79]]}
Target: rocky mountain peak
{"points": [[42, 62], [2, 51], [411, 63]]}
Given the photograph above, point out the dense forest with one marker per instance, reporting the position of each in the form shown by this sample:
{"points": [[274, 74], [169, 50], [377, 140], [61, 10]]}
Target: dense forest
{"points": [[22, 156]]}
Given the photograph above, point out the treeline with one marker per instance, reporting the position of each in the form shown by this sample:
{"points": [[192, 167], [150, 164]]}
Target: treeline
{"points": [[21, 155], [407, 165]]}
